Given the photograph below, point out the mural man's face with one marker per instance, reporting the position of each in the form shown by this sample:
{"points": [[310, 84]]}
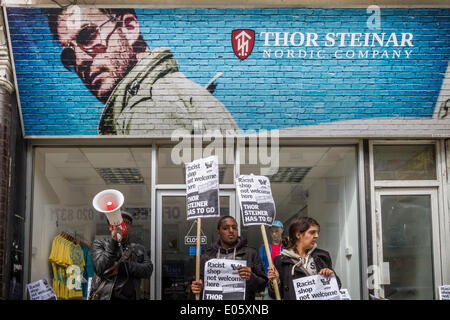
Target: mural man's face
{"points": [[98, 47]]}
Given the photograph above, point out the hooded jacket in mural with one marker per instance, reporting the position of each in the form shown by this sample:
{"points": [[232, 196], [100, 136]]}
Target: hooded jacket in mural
{"points": [[291, 266], [154, 98], [257, 281]]}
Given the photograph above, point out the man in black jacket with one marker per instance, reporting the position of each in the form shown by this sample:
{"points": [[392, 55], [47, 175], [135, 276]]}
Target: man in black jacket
{"points": [[119, 265], [230, 246]]}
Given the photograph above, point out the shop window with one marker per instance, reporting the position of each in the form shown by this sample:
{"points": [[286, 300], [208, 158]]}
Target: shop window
{"points": [[65, 182], [172, 171], [319, 182], [404, 162], [408, 246]]}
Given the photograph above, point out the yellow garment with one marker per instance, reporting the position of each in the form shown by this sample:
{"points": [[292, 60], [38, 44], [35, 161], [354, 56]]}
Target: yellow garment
{"points": [[67, 261]]}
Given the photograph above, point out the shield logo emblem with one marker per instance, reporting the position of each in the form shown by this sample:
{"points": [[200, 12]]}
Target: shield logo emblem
{"points": [[243, 41]]}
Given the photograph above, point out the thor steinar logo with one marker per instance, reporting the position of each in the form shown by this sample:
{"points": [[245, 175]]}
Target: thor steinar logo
{"points": [[235, 266], [262, 182], [243, 41], [339, 45], [208, 164], [325, 282]]}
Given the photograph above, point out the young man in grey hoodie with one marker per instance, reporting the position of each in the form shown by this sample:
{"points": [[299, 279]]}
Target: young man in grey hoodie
{"points": [[230, 246]]}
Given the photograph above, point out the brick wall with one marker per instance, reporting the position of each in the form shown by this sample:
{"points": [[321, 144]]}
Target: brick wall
{"points": [[320, 87]]}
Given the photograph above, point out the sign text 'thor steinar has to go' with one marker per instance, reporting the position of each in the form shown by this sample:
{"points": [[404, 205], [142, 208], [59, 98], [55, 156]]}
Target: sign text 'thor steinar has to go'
{"points": [[343, 45]]}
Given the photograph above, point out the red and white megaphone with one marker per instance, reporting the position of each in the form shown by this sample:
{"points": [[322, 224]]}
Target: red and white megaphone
{"points": [[109, 202]]}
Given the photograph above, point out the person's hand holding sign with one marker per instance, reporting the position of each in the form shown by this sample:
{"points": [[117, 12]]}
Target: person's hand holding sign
{"points": [[245, 272], [326, 272], [272, 273], [197, 286]]}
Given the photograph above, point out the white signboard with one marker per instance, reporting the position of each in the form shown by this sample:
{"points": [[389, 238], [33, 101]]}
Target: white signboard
{"points": [[255, 199], [222, 280], [444, 292], [345, 295], [89, 288], [202, 188], [317, 288], [41, 290]]}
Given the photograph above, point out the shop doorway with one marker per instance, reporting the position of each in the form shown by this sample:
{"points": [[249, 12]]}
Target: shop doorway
{"points": [[175, 252], [408, 243]]}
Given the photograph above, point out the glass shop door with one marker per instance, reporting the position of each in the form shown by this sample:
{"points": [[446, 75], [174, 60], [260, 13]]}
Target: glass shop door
{"points": [[176, 246], [408, 243]]}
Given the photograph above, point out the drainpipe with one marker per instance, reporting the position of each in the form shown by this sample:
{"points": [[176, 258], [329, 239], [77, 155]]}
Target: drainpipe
{"points": [[6, 91]]}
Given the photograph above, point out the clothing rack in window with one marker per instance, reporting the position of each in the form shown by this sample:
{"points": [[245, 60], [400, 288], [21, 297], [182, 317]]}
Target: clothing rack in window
{"points": [[74, 238]]}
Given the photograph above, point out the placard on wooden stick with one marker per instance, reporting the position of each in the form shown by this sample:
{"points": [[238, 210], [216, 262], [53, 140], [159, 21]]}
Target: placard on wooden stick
{"points": [[202, 197], [257, 208]]}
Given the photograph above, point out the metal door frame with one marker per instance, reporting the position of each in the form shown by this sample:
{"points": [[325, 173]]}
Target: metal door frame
{"points": [[157, 238], [378, 253]]}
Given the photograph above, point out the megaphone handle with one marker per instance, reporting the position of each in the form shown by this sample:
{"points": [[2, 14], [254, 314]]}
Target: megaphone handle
{"points": [[118, 235]]}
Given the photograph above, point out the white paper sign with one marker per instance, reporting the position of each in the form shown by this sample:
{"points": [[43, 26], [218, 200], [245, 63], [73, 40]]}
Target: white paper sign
{"points": [[317, 288], [41, 290], [202, 188], [89, 286], [345, 295], [222, 280], [255, 200], [444, 292]]}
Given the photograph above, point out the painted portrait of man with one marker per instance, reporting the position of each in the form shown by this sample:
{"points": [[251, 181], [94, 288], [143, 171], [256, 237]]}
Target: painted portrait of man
{"points": [[142, 89], [150, 71]]}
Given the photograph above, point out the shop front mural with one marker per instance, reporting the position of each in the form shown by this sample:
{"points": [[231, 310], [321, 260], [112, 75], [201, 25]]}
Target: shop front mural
{"points": [[89, 71]]}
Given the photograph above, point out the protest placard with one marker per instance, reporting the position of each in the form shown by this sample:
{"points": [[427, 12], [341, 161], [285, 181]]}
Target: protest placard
{"points": [[317, 288], [345, 295], [89, 286], [41, 290], [444, 292], [222, 280], [202, 188], [257, 208], [255, 199]]}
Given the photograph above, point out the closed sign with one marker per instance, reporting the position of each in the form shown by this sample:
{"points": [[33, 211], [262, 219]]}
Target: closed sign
{"points": [[188, 240]]}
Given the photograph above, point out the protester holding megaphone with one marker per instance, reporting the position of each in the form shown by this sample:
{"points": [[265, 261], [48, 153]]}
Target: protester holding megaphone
{"points": [[119, 264]]}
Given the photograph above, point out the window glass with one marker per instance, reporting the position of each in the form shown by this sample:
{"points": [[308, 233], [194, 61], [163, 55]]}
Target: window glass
{"points": [[178, 251], [319, 182], [407, 246], [171, 173], [65, 182], [404, 162]]}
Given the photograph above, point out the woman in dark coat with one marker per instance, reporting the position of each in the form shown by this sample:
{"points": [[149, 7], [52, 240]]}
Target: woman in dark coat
{"points": [[300, 258]]}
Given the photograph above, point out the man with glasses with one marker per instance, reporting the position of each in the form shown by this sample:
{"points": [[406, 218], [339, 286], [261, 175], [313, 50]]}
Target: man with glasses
{"points": [[119, 265], [143, 90]]}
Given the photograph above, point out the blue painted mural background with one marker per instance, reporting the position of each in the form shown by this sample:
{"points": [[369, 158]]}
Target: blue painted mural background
{"points": [[260, 92]]}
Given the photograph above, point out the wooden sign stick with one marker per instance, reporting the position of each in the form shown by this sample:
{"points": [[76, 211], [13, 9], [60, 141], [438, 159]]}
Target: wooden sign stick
{"points": [[269, 258], [197, 257]]}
